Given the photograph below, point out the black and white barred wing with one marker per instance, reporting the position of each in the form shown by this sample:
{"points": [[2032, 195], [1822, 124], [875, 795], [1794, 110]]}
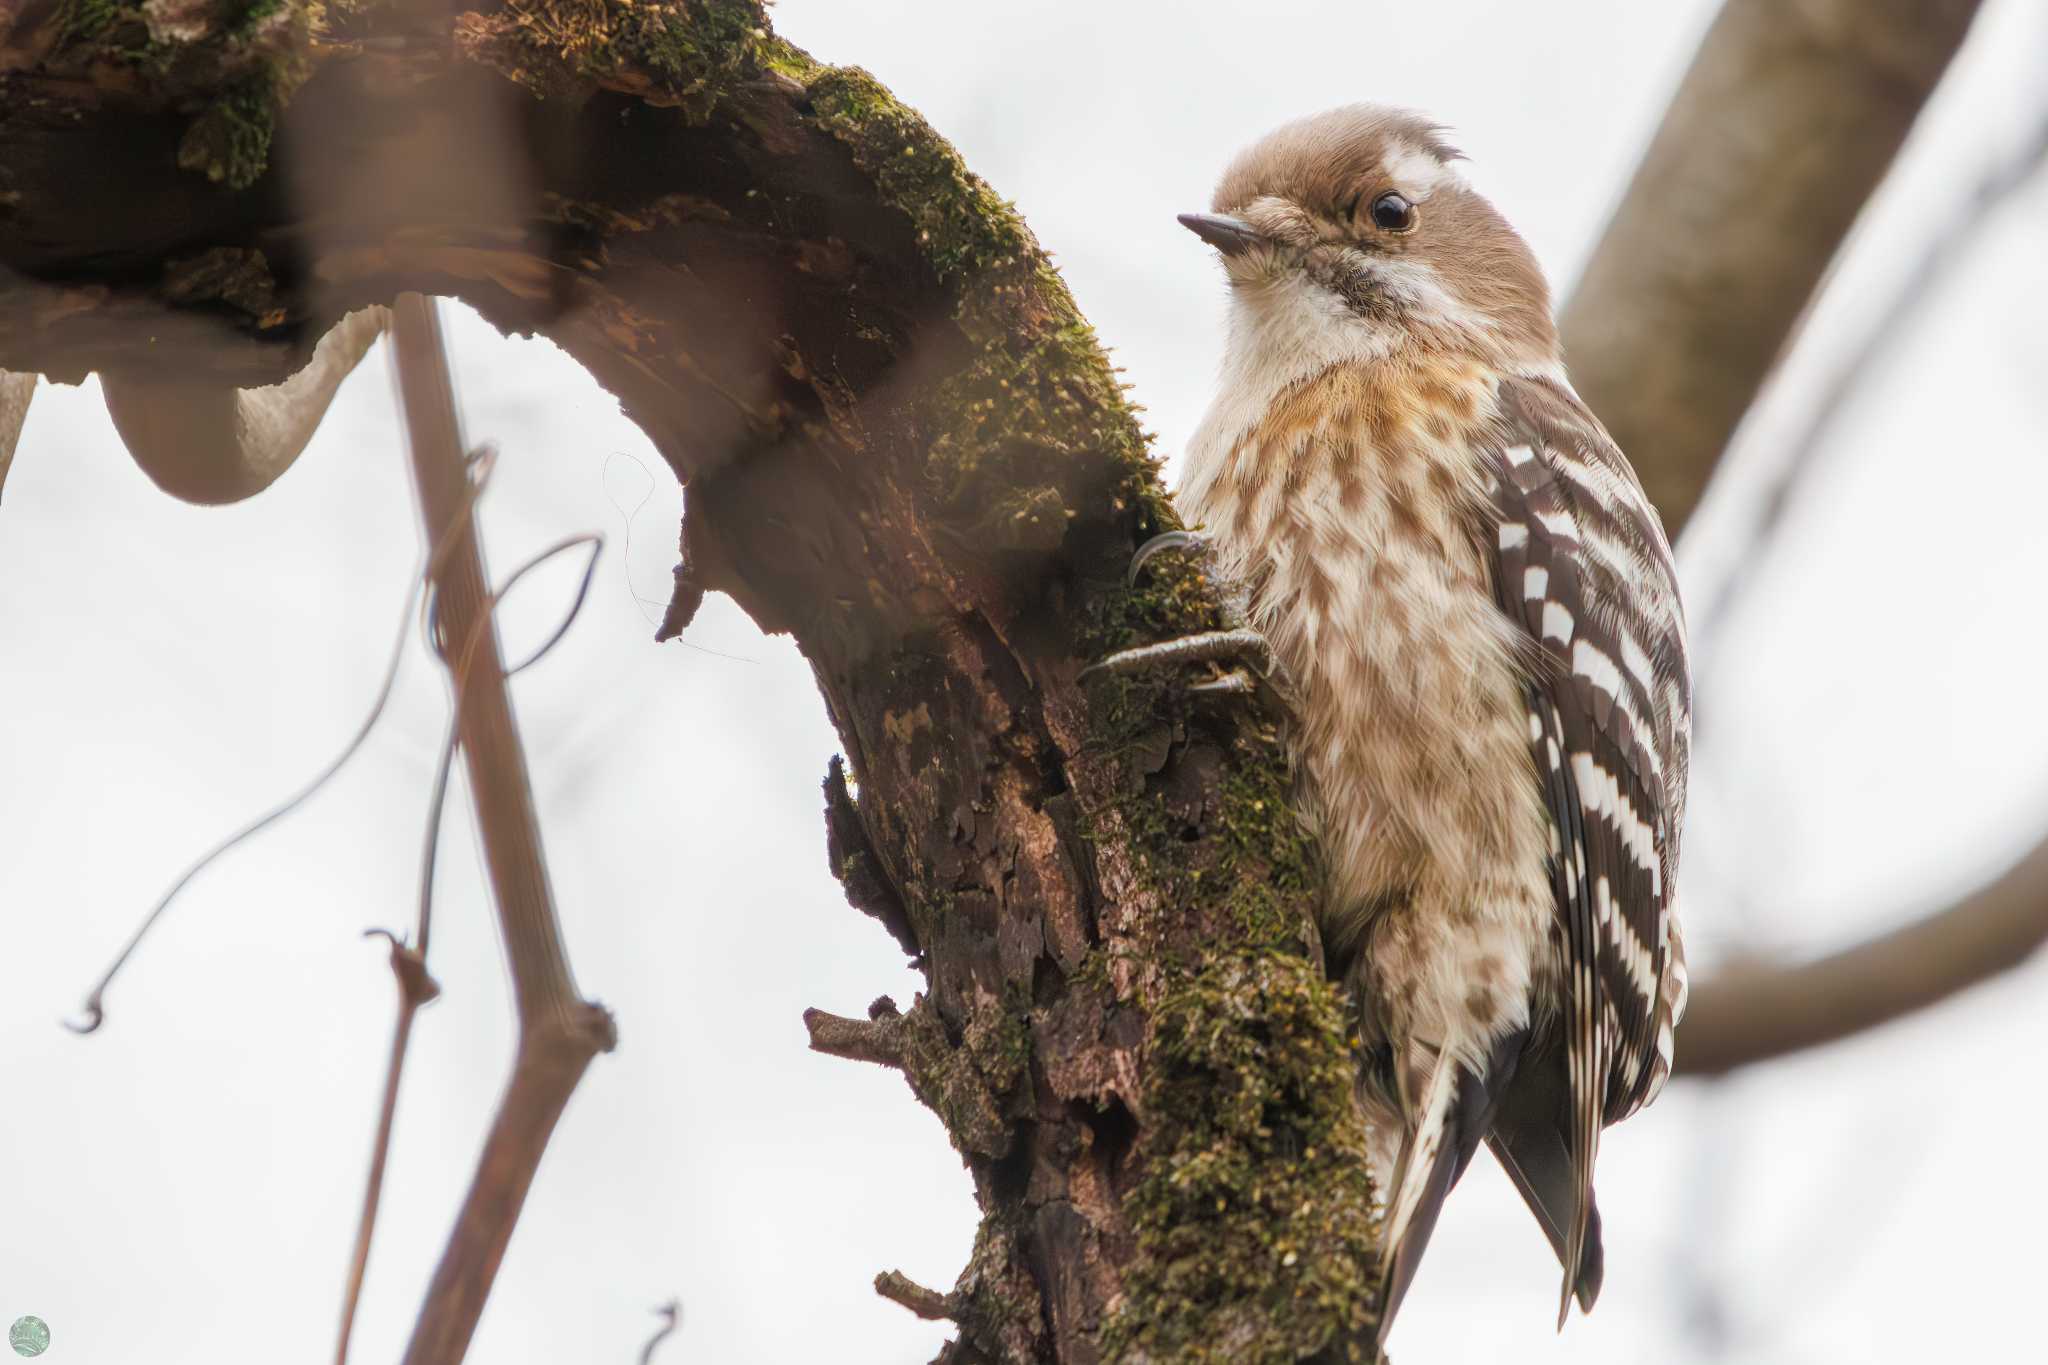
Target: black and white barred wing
{"points": [[1582, 565]]}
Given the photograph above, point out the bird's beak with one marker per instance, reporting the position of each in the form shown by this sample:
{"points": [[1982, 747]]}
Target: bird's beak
{"points": [[1228, 235]]}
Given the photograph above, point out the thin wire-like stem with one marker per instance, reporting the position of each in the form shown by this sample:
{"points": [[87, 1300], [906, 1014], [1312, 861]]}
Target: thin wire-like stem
{"points": [[95, 1003]]}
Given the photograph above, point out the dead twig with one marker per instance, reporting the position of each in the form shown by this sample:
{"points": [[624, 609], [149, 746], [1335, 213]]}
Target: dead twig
{"points": [[416, 986], [559, 1031], [929, 1304], [858, 1040], [671, 1314]]}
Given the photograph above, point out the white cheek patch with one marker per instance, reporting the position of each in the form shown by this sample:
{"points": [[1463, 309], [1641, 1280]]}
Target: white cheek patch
{"points": [[1416, 173]]}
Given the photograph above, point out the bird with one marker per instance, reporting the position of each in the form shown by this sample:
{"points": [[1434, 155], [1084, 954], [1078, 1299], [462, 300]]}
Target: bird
{"points": [[1438, 549]]}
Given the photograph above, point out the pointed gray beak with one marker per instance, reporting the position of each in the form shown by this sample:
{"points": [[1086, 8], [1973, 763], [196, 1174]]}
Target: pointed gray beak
{"points": [[1228, 235]]}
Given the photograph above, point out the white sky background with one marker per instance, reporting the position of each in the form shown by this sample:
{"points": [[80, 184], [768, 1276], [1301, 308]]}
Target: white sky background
{"points": [[185, 1184]]}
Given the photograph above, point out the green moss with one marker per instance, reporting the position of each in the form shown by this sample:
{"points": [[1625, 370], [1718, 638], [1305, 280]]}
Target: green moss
{"points": [[1037, 399], [230, 142], [692, 50], [231, 65], [785, 58], [87, 21], [1257, 1240], [699, 47], [962, 224], [254, 17]]}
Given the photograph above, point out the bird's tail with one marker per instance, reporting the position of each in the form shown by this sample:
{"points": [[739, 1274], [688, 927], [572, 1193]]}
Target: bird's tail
{"points": [[1531, 1138], [1455, 1112]]}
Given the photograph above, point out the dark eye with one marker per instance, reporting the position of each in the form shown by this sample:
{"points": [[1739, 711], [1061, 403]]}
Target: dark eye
{"points": [[1392, 213]]}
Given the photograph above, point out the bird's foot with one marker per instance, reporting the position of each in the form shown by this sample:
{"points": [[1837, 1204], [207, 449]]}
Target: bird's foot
{"points": [[1233, 647], [1242, 656]]}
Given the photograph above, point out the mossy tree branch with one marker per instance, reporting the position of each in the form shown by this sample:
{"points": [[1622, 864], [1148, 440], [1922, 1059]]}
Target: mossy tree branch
{"points": [[904, 447]]}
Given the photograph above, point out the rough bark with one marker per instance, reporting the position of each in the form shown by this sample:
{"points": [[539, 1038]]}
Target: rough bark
{"points": [[904, 447], [1783, 127]]}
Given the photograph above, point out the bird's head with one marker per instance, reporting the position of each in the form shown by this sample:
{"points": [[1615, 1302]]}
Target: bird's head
{"points": [[1352, 233]]}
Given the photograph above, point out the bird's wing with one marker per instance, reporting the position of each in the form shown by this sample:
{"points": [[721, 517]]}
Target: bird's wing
{"points": [[1583, 567]]}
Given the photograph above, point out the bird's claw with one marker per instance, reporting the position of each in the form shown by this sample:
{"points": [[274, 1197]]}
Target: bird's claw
{"points": [[1244, 656], [1235, 683], [1165, 540], [1208, 647]]}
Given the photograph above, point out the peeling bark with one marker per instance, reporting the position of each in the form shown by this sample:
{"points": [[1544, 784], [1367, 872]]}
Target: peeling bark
{"points": [[904, 447]]}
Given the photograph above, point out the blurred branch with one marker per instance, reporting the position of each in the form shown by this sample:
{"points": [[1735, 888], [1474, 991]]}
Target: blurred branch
{"points": [[1947, 248], [213, 443], [416, 987], [1753, 1014], [559, 1032], [1784, 125]]}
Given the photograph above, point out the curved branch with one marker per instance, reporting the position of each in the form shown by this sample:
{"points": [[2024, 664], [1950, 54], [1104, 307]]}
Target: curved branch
{"points": [[1783, 127], [904, 447], [1757, 1013], [211, 443]]}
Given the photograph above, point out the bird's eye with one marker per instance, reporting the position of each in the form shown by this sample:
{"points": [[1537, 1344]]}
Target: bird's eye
{"points": [[1392, 213]]}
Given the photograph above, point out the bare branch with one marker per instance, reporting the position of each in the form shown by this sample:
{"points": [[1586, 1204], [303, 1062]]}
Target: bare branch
{"points": [[559, 1032], [928, 1304], [416, 987], [671, 1314], [857, 1040], [216, 444], [1783, 127], [1754, 1014]]}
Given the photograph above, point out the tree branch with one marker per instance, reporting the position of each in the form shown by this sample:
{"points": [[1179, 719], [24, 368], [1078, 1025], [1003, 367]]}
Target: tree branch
{"points": [[1783, 127], [857, 1040], [929, 1304], [1946, 247], [1753, 1014], [416, 988], [559, 1032]]}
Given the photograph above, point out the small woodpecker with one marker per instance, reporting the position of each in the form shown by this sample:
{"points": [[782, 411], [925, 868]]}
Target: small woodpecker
{"points": [[1477, 617]]}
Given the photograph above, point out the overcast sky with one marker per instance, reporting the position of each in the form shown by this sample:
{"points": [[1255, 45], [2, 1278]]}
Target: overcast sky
{"points": [[186, 1182]]}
